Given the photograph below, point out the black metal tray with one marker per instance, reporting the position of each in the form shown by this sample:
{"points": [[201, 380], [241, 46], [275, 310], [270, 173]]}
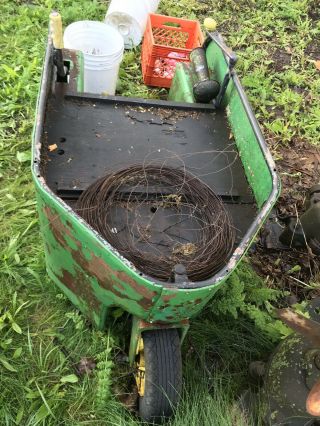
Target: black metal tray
{"points": [[96, 135]]}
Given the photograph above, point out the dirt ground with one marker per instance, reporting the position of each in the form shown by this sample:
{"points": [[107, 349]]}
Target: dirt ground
{"points": [[293, 270], [298, 165]]}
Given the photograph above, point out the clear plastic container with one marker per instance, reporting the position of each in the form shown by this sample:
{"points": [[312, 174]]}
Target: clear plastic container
{"points": [[152, 5], [130, 18]]}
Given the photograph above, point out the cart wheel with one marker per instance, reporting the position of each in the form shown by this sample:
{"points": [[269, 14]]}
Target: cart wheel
{"points": [[159, 374]]}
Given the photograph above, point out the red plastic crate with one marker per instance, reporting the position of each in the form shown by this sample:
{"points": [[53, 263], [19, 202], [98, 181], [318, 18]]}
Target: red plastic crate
{"points": [[167, 40]]}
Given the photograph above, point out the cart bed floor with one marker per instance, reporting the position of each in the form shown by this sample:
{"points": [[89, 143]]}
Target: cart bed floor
{"points": [[95, 136]]}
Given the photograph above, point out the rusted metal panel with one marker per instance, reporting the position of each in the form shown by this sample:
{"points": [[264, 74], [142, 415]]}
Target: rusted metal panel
{"points": [[176, 304], [97, 279]]}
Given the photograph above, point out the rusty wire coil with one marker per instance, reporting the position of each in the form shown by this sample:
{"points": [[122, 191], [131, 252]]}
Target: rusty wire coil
{"points": [[157, 217]]}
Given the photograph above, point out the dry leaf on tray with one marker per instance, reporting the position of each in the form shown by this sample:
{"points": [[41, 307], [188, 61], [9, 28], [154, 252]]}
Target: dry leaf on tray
{"points": [[53, 147]]}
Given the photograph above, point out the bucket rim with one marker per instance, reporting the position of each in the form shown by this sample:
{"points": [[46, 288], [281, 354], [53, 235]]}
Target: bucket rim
{"points": [[75, 29]]}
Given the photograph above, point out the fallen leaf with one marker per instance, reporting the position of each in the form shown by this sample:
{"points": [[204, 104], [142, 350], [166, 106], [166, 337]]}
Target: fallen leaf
{"points": [[317, 64], [117, 313], [129, 400], [296, 268], [22, 157], [42, 413], [71, 378], [10, 71], [53, 147], [19, 416], [86, 365], [7, 365], [185, 249], [17, 353], [16, 327]]}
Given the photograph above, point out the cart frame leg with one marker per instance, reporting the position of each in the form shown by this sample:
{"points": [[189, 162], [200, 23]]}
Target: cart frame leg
{"points": [[139, 326]]}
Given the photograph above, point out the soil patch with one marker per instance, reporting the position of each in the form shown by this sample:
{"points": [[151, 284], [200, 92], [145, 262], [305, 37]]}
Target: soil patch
{"points": [[292, 270], [313, 49], [314, 11], [281, 59], [299, 169]]}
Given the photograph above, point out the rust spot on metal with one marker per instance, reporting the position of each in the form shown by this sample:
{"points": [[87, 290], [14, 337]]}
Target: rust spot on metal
{"points": [[80, 286], [97, 267], [68, 223], [144, 325], [154, 325], [168, 297], [181, 305], [120, 287], [177, 308], [57, 228], [149, 294], [306, 327]]}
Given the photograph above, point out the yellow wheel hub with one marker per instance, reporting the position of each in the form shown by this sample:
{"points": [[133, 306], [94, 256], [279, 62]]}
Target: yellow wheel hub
{"points": [[140, 367]]}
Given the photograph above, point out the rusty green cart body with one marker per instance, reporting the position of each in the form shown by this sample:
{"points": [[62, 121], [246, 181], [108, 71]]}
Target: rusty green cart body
{"points": [[72, 127]]}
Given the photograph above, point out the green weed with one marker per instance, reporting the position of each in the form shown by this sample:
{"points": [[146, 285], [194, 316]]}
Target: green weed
{"points": [[247, 294]]}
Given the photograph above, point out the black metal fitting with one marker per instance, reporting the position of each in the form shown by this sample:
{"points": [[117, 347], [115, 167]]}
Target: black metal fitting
{"points": [[232, 59], [179, 274]]}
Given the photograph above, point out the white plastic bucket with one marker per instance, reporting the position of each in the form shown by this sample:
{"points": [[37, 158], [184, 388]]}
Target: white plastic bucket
{"points": [[102, 48], [130, 19]]}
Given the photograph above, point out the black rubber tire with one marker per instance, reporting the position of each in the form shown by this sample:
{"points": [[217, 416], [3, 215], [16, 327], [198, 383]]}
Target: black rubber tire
{"points": [[163, 372]]}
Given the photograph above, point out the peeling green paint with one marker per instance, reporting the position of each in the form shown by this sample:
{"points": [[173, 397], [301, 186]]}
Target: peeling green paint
{"points": [[73, 252], [88, 270], [178, 304]]}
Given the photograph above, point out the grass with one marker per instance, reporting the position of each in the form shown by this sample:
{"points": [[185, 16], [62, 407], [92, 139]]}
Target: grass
{"points": [[41, 335]]}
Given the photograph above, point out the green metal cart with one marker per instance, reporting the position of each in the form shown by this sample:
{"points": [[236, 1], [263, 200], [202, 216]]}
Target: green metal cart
{"points": [[80, 136]]}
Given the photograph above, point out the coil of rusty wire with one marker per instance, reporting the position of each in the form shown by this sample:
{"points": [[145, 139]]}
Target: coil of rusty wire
{"points": [[157, 217]]}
